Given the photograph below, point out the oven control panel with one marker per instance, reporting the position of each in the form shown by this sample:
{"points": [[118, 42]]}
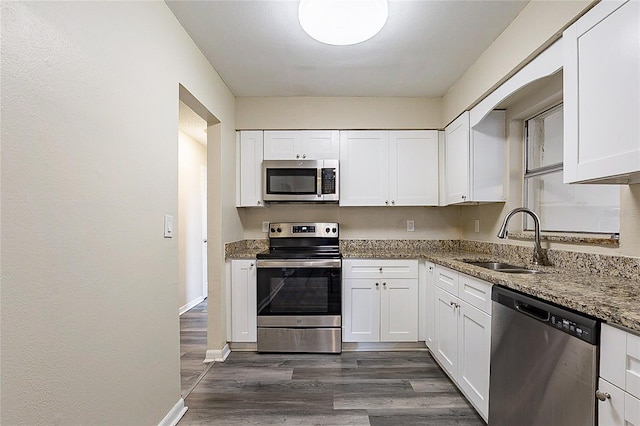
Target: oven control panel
{"points": [[299, 230]]}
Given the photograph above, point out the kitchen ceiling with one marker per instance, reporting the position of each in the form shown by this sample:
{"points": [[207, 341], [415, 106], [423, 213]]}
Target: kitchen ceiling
{"points": [[259, 48]]}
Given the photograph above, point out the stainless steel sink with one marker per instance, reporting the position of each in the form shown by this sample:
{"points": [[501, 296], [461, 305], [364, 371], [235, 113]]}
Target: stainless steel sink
{"points": [[504, 267]]}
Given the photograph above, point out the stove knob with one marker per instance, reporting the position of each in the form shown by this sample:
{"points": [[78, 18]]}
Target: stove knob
{"points": [[279, 229], [273, 229], [334, 230], [327, 230]]}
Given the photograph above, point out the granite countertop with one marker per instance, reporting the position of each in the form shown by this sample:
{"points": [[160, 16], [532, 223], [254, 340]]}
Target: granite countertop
{"points": [[608, 298], [605, 287]]}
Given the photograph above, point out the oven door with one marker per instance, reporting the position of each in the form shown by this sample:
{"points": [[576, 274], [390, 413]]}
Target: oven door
{"points": [[299, 289]]}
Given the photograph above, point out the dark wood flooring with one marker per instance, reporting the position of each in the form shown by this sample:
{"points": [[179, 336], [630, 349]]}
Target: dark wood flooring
{"points": [[193, 346], [354, 388]]}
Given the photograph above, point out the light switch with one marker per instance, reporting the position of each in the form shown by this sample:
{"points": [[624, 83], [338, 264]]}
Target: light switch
{"points": [[476, 225], [410, 225], [265, 226], [168, 226]]}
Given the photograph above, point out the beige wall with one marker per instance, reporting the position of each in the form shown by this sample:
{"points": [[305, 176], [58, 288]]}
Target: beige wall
{"points": [[431, 223], [89, 325], [338, 113], [192, 157], [539, 24]]}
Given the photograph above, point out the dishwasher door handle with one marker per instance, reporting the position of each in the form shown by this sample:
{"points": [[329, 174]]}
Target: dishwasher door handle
{"points": [[532, 311]]}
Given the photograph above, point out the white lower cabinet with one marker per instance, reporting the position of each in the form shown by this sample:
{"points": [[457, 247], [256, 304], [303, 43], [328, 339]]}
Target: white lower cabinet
{"points": [[462, 333], [244, 326], [380, 302], [619, 384]]}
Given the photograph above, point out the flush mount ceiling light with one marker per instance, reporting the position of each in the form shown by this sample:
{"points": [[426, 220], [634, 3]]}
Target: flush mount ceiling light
{"points": [[342, 22]]}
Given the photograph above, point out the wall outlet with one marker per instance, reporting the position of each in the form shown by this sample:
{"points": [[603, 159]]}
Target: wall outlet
{"points": [[265, 226], [476, 225], [410, 225]]}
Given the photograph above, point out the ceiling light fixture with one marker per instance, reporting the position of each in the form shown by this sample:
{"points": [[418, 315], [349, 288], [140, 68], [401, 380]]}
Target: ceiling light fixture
{"points": [[342, 22]]}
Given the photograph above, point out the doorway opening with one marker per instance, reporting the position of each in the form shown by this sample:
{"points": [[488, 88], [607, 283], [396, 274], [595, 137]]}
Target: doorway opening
{"points": [[193, 124]]}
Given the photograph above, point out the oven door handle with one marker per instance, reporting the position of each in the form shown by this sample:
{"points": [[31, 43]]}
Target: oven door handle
{"points": [[319, 263]]}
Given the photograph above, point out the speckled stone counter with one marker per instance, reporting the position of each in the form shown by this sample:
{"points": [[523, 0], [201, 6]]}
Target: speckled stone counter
{"points": [[245, 249], [606, 287]]}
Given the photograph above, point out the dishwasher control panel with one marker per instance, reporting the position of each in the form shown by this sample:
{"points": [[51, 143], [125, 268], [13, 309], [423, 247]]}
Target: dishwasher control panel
{"points": [[580, 331]]}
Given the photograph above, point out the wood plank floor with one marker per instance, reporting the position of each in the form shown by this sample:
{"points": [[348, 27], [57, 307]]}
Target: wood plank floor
{"points": [[354, 388], [193, 346]]}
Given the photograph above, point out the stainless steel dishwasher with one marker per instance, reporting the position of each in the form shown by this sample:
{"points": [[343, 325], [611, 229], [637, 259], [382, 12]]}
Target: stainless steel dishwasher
{"points": [[544, 362]]}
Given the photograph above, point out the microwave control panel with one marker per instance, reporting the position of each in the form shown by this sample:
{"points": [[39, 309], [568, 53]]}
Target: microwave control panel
{"points": [[329, 181]]}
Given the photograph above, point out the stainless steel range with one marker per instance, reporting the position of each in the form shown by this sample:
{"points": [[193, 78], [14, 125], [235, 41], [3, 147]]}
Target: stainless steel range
{"points": [[300, 289]]}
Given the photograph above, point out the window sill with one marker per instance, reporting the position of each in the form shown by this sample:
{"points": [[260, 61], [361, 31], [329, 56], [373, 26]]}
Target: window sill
{"points": [[591, 240]]}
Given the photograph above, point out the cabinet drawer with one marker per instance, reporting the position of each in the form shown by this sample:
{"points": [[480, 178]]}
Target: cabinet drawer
{"points": [[447, 279], [379, 268], [475, 292], [620, 359]]}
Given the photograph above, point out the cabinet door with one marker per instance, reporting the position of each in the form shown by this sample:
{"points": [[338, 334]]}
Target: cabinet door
{"points": [[399, 310], [631, 410], [361, 310], [243, 301], [413, 167], [430, 338], [281, 144], [364, 168], [601, 86], [446, 331], [301, 144], [611, 411], [319, 145], [250, 169], [456, 142], [474, 349]]}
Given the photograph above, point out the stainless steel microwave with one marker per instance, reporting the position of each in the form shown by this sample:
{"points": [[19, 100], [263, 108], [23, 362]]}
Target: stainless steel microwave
{"points": [[300, 180]]}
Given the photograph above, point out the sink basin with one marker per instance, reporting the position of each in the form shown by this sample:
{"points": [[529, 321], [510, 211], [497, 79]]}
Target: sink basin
{"points": [[504, 267]]}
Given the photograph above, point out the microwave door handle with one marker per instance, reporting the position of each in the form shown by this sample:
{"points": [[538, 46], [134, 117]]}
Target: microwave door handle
{"points": [[319, 181]]}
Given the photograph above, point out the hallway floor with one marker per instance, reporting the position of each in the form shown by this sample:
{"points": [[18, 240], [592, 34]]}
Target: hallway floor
{"points": [[354, 388], [193, 346]]}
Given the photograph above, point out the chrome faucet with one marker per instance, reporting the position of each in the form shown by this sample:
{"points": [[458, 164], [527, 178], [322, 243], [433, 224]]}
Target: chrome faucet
{"points": [[538, 258]]}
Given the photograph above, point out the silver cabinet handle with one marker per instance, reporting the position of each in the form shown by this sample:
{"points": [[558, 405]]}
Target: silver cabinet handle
{"points": [[297, 155], [384, 284], [431, 268], [304, 155], [377, 285], [251, 266], [464, 197], [393, 202], [259, 202], [380, 269], [386, 202], [603, 396]]}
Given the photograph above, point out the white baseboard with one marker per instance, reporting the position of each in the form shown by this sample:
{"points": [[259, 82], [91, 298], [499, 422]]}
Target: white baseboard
{"points": [[191, 304], [218, 355], [173, 417]]}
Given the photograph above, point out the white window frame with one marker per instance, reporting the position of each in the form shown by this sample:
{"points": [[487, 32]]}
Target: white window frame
{"points": [[542, 171]]}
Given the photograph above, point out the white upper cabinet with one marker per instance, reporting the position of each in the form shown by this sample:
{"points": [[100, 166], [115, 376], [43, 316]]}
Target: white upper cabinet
{"points": [[301, 144], [389, 168], [413, 167], [474, 159], [249, 168], [602, 95]]}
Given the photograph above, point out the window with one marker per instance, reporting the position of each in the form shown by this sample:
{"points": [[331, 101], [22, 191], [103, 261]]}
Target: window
{"points": [[562, 207]]}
